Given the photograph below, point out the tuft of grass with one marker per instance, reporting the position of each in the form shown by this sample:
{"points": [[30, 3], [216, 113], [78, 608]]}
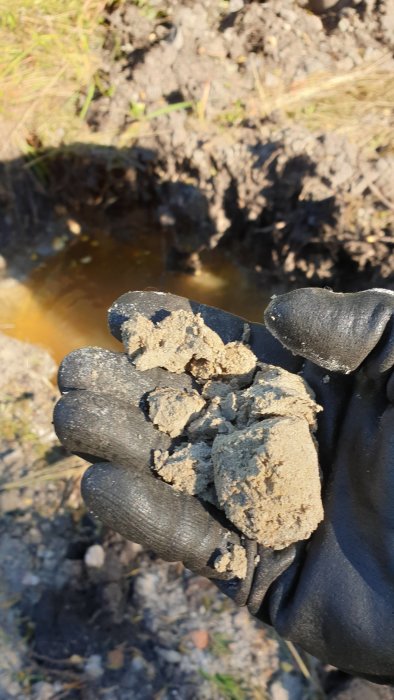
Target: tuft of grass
{"points": [[16, 420], [227, 686], [358, 103], [219, 644], [234, 115], [49, 57], [141, 117], [147, 9], [51, 71], [55, 473]]}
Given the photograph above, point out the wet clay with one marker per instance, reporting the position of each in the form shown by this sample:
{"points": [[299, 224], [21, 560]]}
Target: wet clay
{"points": [[244, 436]]}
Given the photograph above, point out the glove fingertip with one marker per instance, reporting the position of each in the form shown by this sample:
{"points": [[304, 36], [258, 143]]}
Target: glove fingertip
{"points": [[316, 324], [153, 304], [95, 473]]}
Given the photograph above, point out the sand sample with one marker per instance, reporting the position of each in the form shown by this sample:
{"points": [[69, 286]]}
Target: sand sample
{"points": [[244, 435]]}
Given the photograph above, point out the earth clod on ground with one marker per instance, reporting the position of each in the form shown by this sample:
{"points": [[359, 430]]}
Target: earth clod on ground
{"points": [[246, 440]]}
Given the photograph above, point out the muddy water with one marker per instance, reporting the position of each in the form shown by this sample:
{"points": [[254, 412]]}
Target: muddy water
{"points": [[63, 305]]}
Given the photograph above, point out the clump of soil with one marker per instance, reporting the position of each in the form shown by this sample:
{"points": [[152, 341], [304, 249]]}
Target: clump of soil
{"points": [[188, 469], [244, 434], [182, 342], [170, 409], [233, 560], [267, 476]]}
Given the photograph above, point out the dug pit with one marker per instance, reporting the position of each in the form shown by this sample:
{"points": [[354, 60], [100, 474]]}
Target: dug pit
{"points": [[244, 434]]}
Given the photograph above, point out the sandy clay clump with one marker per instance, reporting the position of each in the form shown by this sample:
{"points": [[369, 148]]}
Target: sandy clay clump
{"points": [[244, 435]]}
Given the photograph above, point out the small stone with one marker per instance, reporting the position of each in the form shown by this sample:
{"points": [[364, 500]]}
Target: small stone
{"points": [[13, 690], [30, 579], [59, 243], [235, 5], [76, 660], [199, 638], [278, 692], [95, 556], [93, 667], [344, 24], [74, 227], [170, 656], [289, 686], [43, 691]]}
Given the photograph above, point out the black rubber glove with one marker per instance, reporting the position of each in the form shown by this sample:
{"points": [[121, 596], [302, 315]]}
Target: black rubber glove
{"points": [[333, 595]]}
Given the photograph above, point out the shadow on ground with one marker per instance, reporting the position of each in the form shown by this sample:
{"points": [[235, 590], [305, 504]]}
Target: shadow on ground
{"points": [[281, 234]]}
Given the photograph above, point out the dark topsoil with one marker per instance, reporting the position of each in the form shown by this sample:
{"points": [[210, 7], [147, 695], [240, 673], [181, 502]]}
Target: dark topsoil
{"points": [[293, 206]]}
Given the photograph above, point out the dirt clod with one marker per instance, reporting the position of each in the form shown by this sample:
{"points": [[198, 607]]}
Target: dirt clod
{"points": [[183, 341], [234, 560], [267, 481], [249, 447], [170, 410], [279, 393], [188, 469]]}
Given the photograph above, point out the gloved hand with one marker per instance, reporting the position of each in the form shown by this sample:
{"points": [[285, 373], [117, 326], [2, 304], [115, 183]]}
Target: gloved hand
{"points": [[333, 595]]}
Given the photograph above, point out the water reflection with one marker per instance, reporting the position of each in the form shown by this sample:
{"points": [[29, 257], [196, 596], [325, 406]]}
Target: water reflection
{"points": [[63, 305]]}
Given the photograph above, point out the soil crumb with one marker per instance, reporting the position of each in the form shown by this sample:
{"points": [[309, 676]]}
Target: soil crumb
{"points": [[170, 409], [233, 560], [189, 469], [279, 393], [246, 432], [182, 342]]}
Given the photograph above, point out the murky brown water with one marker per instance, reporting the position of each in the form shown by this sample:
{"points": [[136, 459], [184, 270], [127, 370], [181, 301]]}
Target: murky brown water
{"points": [[63, 305]]}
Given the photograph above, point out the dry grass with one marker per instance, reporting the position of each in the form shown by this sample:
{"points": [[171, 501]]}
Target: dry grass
{"points": [[358, 103], [49, 56], [64, 469], [51, 53]]}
